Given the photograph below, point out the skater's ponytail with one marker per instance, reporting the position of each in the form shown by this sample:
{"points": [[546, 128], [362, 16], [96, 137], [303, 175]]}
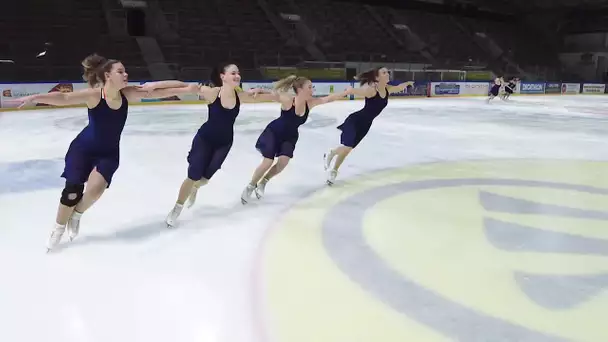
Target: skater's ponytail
{"points": [[291, 82], [95, 68], [368, 77]]}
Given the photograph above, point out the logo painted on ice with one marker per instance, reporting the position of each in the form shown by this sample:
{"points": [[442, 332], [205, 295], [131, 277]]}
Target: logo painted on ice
{"points": [[531, 244]]}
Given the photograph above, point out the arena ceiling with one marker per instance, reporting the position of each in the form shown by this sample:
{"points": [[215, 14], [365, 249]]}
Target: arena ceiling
{"points": [[494, 5], [536, 4]]}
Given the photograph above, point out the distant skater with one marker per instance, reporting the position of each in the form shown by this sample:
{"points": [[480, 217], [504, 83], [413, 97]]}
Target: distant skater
{"points": [[510, 88], [495, 90]]}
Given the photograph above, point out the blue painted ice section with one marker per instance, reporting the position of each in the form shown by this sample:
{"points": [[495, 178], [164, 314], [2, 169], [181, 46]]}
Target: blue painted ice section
{"points": [[30, 175]]}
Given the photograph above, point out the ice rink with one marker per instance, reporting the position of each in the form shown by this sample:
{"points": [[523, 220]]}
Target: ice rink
{"points": [[454, 220]]}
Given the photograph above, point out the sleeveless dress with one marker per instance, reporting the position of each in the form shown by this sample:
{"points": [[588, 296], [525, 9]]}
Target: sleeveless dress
{"points": [[213, 141], [357, 125], [98, 144], [281, 135]]}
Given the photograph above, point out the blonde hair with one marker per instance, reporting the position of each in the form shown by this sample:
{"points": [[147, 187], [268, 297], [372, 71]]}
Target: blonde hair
{"points": [[294, 82]]}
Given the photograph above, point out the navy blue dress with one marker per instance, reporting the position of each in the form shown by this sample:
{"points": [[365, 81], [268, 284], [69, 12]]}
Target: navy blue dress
{"points": [[213, 140], [98, 144], [495, 89], [357, 125], [281, 135], [510, 87]]}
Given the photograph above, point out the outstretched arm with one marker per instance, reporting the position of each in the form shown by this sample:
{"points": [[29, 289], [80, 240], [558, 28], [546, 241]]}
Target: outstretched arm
{"points": [[259, 95], [135, 94], [365, 91], [84, 96], [163, 84], [398, 88], [330, 98]]}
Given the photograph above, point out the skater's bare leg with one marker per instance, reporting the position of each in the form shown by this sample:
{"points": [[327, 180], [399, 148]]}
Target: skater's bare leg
{"points": [[277, 168], [63, 214], [188, 185], [96, 185], [261, 170], [341, 153]]}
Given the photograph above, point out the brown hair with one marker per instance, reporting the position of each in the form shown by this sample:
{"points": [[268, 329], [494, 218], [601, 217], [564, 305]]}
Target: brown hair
{"points": [[294, 82], [369, 76], [215, 76], [95, 67]]}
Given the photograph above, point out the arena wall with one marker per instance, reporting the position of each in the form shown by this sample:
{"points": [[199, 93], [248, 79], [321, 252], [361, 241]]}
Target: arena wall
{"points": [[10, 92]]}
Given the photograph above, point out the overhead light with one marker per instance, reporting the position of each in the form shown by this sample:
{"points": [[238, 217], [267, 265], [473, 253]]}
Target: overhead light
{"points": [[43, 53], [7, 61]]}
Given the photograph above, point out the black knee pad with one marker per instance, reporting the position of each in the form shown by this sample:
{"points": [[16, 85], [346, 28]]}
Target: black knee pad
{"points": [[72, 194]]}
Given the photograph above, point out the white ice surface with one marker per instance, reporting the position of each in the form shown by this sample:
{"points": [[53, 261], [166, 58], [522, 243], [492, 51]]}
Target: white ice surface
{"points": [[127, 278]]}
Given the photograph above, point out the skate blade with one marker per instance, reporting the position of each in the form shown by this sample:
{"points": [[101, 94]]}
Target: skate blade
{"points": [[330, 183], [190, 203], [170, 225], [325, 166], [243, 201]]}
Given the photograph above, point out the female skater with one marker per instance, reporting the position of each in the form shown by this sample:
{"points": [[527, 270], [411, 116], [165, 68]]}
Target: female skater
{"points": [[278, 140], [375, 88], [93, 156], [509, 88], [498, 83], [213, 140]]}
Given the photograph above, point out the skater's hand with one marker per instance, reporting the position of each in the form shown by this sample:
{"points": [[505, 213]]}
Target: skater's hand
{"points": [[147, 87], [256, 91], [25, 101], [194, 88]]}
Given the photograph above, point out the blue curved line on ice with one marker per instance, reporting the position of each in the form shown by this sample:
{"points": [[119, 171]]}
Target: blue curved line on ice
{"points": [[30, 175]]}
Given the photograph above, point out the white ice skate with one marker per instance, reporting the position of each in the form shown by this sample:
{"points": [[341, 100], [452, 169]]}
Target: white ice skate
{"points": [[259, 190], [74, 225], [192, 198], [327, 159], [173, 215], [246, 195], [55, 237], [331, 177]]}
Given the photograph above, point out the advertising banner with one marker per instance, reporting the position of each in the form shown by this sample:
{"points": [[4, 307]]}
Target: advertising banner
{"points": [[571, 88], [476, 89], [594, 88], [446, 88], [532, 88], [553, 88]]}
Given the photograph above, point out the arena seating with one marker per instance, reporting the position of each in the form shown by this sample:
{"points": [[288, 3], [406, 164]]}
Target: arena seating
{"points": [[68, 31], [206, 39], [211, 31], [446, 40], [514, 39]]}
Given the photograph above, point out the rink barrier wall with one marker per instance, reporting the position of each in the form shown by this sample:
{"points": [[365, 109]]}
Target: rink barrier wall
{"points": [[414, 89]]}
